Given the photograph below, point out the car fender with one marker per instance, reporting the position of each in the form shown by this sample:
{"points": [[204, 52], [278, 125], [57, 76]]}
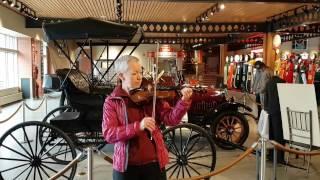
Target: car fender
{"points": [[226, 106]]}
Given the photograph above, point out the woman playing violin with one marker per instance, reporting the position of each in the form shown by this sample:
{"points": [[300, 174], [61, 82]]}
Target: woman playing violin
{"points": [[129, 126]]}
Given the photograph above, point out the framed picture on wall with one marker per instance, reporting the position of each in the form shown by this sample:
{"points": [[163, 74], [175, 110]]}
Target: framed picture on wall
{"points": [[300, 44]]}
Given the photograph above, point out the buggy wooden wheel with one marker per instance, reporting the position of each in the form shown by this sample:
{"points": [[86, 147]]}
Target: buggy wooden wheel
{"points": [[191, 151], [229, 126], [22, 156]]}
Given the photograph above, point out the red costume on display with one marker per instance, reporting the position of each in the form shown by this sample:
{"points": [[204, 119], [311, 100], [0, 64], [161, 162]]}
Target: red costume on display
{"points": [[230, 75], [311, 73], [289, 72], [282, 71]]}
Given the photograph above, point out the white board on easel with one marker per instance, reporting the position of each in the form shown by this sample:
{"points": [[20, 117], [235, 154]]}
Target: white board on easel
{"points": [[299, 97]]}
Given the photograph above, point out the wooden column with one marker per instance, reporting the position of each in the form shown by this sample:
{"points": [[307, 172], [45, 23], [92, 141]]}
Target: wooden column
{"points": [[25, 66], [269, 54], [223, 55]]}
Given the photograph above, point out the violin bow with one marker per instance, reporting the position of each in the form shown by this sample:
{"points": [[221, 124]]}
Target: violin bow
{"points": [[155, 82]]}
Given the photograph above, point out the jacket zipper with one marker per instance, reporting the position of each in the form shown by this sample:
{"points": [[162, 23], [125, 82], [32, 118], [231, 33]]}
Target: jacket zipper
{"points": [[127, 144]]}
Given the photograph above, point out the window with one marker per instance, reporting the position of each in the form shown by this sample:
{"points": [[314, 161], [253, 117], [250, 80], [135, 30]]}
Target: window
{"points": [[8, 61], [2, 41]]}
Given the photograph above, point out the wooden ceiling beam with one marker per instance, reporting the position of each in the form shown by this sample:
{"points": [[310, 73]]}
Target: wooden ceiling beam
{"points": [[241, 1], [311, 28], [221, 27], [283, 22], [177, 27], [202, 40], [292, 37]]}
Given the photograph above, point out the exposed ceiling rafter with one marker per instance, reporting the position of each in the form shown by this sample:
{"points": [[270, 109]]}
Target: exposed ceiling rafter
{"points": [[243, 1], [300, 16], [175, 27]]}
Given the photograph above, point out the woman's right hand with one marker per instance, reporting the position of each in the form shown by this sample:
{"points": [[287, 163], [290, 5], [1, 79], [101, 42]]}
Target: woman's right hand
{"points": [[148, 123]]}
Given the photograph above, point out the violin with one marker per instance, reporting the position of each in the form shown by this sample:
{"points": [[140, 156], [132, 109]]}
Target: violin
{"points": [[145, 95]]}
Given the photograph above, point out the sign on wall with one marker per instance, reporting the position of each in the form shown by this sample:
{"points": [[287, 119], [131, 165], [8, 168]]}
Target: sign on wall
{"points": [[300, 44]]}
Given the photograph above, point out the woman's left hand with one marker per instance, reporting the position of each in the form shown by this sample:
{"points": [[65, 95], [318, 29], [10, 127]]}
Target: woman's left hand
{"points": [[186, 94]]}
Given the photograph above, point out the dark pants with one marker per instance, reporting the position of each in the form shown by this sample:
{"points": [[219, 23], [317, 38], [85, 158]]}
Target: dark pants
{"points": [[276, 133], [149, 171], [259, 106]]}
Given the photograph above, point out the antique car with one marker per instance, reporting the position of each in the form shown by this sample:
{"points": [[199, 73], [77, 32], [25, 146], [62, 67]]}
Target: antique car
{"points": [[220, 115], [228, 124]]}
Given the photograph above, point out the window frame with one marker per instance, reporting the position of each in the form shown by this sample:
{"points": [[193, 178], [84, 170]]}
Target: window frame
{"points": [[10, 62]]}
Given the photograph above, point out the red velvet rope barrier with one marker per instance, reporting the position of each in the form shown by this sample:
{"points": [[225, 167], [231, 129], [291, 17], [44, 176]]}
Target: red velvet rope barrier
{"points": [[283, 148], [231, 164]]}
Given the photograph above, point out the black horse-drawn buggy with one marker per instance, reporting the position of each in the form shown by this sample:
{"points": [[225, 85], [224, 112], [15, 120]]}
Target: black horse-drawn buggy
{"points": [[38, 150]]}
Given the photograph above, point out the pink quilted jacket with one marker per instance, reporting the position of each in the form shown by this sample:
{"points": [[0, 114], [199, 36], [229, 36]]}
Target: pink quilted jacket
{"points": [[117, 130]]}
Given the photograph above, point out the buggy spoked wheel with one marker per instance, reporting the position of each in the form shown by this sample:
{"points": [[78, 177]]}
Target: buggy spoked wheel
{"points": [[230, 127], [21, 158], [191, 151]]}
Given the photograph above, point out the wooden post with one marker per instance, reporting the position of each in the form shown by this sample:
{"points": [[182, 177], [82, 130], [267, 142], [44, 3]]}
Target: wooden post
{"points": [[269, 54]]}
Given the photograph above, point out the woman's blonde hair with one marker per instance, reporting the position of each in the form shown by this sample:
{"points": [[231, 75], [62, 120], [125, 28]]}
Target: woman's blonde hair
{"points": [[121, 65]]}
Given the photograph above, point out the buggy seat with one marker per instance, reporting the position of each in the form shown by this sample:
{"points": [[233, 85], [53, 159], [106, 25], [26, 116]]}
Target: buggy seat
{"points": [[84, 99]]}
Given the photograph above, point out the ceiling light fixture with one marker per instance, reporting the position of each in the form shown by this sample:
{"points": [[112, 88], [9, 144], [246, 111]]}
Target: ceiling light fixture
{"points": [[119, 10], [197, 45], [222, 6], [213, 9], [185, 29], [316, 8], [12, 3], [17, 6]]}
